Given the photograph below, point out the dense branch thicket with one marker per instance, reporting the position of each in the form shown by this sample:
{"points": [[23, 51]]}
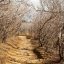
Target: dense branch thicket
{"points": [[47, 29], [9, 27], [10, 24]]}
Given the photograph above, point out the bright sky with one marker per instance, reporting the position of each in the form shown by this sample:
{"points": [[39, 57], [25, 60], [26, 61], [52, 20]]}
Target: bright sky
{"points": [[36, 4], [31, 14]]}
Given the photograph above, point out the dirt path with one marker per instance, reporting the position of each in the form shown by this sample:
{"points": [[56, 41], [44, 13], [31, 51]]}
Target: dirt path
{"points": [[17, 50]]}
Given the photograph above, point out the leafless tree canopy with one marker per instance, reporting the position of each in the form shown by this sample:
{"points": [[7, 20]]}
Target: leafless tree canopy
{"points": [[43, 21]]}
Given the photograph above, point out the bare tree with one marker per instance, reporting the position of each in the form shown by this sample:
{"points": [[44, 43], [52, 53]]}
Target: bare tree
{"points": [[9, 27], [46, 31]]}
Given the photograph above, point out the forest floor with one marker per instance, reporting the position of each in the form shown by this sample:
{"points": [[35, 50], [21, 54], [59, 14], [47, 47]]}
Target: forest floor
{"points": [[19, 50]]}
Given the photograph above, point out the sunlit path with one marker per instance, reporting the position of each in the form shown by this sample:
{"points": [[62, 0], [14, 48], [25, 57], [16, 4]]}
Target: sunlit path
{"points": [[18, 50]]}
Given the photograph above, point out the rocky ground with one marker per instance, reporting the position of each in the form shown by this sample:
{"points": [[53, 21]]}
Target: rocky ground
{"points": [[20, 50]]}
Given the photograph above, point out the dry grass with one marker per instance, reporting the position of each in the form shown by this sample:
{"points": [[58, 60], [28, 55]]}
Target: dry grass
{"points": [[17, 50]]}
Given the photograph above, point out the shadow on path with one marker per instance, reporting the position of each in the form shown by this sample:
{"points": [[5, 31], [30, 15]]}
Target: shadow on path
{"points": [[37, 53]]}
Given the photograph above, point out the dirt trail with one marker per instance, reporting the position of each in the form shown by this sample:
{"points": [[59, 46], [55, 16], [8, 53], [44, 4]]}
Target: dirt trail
{"points": [[17, 50]]}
